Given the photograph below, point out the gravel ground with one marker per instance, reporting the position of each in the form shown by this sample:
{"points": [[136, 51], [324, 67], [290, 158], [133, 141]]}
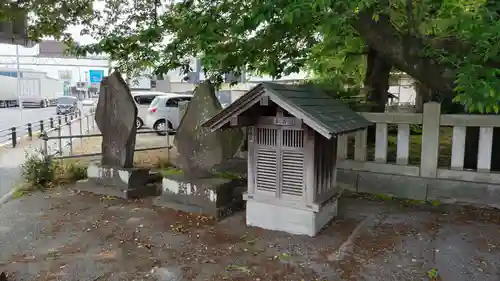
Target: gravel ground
{"points": [[65, 234]]}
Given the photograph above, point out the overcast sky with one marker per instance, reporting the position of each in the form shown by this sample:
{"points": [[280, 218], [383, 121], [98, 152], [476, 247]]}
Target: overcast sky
{"points": [[8, 60]]}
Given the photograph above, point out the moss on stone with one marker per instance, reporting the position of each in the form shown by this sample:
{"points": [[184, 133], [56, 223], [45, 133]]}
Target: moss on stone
{"points": [[218, 174], [387, 197], [383, 197], [227, 175], [171, 171]]}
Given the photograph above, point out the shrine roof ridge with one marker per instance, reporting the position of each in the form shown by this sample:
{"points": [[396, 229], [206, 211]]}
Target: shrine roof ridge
{"points": [[323, 113]]}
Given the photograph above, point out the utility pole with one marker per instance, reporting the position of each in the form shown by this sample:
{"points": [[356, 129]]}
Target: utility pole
{"points": [[18, 87]]}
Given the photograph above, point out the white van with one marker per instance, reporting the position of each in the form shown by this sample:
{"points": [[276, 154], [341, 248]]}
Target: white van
{"points": [[143, 99], [163, 113]]}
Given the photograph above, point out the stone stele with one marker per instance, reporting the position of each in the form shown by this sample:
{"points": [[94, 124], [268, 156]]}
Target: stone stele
{"points": [[115, 116], [198, 148]]}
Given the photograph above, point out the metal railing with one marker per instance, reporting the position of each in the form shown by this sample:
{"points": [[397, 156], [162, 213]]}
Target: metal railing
{"points": [[15, 134], [87, 126]]}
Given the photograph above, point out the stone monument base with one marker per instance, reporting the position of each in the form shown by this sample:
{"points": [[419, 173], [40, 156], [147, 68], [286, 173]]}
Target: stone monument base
{"points": [[213, 196], [127, 183], [291, 219]]}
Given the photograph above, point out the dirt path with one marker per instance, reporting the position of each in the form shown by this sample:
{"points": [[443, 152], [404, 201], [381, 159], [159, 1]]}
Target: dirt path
{"points": [[70, 235]]}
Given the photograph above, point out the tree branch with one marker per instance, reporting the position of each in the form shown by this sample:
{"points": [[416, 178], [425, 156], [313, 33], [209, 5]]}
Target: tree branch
{"points": [[405, 52]]}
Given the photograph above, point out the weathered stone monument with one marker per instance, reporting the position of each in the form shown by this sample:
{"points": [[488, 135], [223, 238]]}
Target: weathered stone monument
{"points": [[198, 148], [116, 116], [200, 187]]}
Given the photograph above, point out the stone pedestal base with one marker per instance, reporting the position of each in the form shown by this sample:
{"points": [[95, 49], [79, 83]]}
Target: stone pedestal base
{"points": [[216, 197], [290, 219], [128, 183]]}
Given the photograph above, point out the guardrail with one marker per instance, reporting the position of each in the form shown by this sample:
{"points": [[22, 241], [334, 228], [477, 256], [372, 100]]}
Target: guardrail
{"points": [[16, 133]]}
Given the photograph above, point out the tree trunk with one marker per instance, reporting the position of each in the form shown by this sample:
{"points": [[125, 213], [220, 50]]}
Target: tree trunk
{"points": [[404, 51], [423, 95], [378, 70], [376, 85]]}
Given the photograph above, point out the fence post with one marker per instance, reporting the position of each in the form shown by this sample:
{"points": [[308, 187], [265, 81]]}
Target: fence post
{"points": [[70, 139], [51, 122], [14, 137], [41, 126], [45, 150], [430, 140], [81, 129], [59, 140], [30, 131], [168, 147], [88, 123]]}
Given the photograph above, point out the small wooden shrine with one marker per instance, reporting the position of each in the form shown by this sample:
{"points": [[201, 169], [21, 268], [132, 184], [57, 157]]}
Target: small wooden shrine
{"points": [[292, 152]]}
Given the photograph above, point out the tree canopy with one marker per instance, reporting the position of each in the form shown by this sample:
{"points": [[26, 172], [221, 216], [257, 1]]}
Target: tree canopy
{"points": [[450, 46]]}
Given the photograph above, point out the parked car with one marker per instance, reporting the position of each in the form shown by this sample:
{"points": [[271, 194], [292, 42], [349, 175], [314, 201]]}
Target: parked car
{"points": [[66, 105], [163, 113], [34, 102], [143, 99], [88, 103]]}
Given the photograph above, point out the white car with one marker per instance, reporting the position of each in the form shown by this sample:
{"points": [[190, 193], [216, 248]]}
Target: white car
{"points": [[163, 113], [88, 103], [142, 100]]}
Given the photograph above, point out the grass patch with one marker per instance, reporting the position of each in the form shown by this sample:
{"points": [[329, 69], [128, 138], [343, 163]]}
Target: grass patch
{"points": [[20, 190], [171, 171], [227, 175], [39, 173], [386, 197]]}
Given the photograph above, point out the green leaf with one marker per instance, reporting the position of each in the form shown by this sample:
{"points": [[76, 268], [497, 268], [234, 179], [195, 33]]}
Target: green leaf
{"points": [[456, 40], [496, 108]]}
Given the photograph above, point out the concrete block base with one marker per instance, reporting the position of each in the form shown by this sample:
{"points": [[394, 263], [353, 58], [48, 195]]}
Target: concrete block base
{"points": [[290, 219], [217, 197], [450, 191], [128, 183]]}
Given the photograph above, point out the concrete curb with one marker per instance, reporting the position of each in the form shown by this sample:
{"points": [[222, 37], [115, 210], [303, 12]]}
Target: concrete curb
{"points": [[3, 145], [6, 197]]}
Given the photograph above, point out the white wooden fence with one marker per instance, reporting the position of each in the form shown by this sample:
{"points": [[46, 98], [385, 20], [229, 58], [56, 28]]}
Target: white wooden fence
{"points": [[431, 120]]}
